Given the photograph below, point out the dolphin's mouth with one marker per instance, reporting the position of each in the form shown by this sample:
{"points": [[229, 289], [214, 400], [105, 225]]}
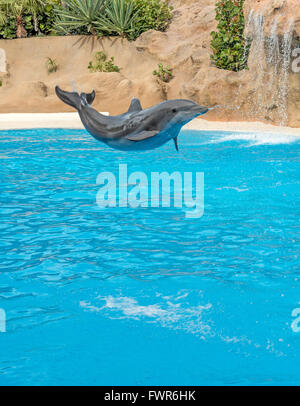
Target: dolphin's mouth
{"points": [[200, 110]]}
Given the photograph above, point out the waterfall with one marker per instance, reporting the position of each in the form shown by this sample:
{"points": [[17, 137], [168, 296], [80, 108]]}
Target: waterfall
{"points": [[269, 64], [284, 77], [255, 27]]}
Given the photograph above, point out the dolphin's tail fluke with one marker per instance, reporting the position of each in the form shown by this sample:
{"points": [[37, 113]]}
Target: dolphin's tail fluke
{"points": [[74, 99]]}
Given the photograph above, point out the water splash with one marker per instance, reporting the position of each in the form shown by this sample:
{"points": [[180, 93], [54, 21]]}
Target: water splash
{"points": [[74, 86]]}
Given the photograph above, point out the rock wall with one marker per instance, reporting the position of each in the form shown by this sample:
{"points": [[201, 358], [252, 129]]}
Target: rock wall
{"points": [[274, 64], [185, 46], [282, 10]]}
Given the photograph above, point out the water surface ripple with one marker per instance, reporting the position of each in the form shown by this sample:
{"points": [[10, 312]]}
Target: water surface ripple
{"points": [[147, 296]]}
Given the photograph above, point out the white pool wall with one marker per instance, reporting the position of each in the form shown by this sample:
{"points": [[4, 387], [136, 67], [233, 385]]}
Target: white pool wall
{"points": [[71, 120]]}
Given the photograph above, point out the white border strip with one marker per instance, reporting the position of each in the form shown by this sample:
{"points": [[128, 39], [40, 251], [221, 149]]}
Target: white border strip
{"points": [[40, 120], [72, 120], [241, 127]]}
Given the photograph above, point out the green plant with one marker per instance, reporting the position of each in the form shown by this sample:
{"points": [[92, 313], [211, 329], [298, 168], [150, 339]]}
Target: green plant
{"points": [[34, 7], [127, 18], [230, 47], [74, 15], [1, 83], [101, 64], [2, 15], [151, 14], [26, 18], [47, 17], [118, 19], [51, 65], [9, 28], [163, 73], [16, 9]]}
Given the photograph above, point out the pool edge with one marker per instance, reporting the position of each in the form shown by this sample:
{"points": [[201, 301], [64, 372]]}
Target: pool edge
{"points": [[18, 121]]}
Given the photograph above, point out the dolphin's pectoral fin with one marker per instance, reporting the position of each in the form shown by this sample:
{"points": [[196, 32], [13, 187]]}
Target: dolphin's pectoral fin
{"points": [[176, 143], [135, 105], [141, 136]]}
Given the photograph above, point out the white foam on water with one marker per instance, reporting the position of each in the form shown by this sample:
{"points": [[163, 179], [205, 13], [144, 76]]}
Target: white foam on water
{"points": [[240, 190], [256, 138], [175, 313], [176, 316]]}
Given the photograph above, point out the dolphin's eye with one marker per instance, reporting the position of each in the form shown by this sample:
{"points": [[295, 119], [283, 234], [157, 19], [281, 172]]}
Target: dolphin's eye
{"points": [[174, 111]]}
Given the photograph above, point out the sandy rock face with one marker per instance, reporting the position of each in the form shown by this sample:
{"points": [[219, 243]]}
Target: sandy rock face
{"points": [[184, 46], [284, 11], [28, 87], [247, 95]]}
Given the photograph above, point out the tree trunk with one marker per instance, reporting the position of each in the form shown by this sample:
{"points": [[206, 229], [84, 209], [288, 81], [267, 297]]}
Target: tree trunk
{"points": [[21, 32], [36, 24], [93, 31]]}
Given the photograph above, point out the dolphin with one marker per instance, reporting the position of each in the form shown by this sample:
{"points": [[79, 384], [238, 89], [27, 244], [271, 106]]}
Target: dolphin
{"points": [[137, 129]]}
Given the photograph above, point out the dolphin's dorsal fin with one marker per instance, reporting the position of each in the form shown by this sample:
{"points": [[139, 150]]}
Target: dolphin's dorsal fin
{"points": [[143, 135], [135, 105]]}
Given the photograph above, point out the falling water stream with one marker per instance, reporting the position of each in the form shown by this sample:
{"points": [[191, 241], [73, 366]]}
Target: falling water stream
{"points": [[270, 57]]}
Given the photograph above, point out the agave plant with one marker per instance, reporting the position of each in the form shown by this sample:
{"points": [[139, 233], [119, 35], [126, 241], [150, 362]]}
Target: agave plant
{"points": [[76, 14], [119, 18]]}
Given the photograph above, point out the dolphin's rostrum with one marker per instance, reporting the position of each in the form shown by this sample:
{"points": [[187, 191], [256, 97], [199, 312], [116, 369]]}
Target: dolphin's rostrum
{"points": [[137, 129]]}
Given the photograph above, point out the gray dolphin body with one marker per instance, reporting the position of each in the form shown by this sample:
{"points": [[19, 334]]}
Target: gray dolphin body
{"points": [[137, 129]]}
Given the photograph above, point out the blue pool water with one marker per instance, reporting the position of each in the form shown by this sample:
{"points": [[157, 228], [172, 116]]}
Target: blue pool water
{"points": [[146, 296]]}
